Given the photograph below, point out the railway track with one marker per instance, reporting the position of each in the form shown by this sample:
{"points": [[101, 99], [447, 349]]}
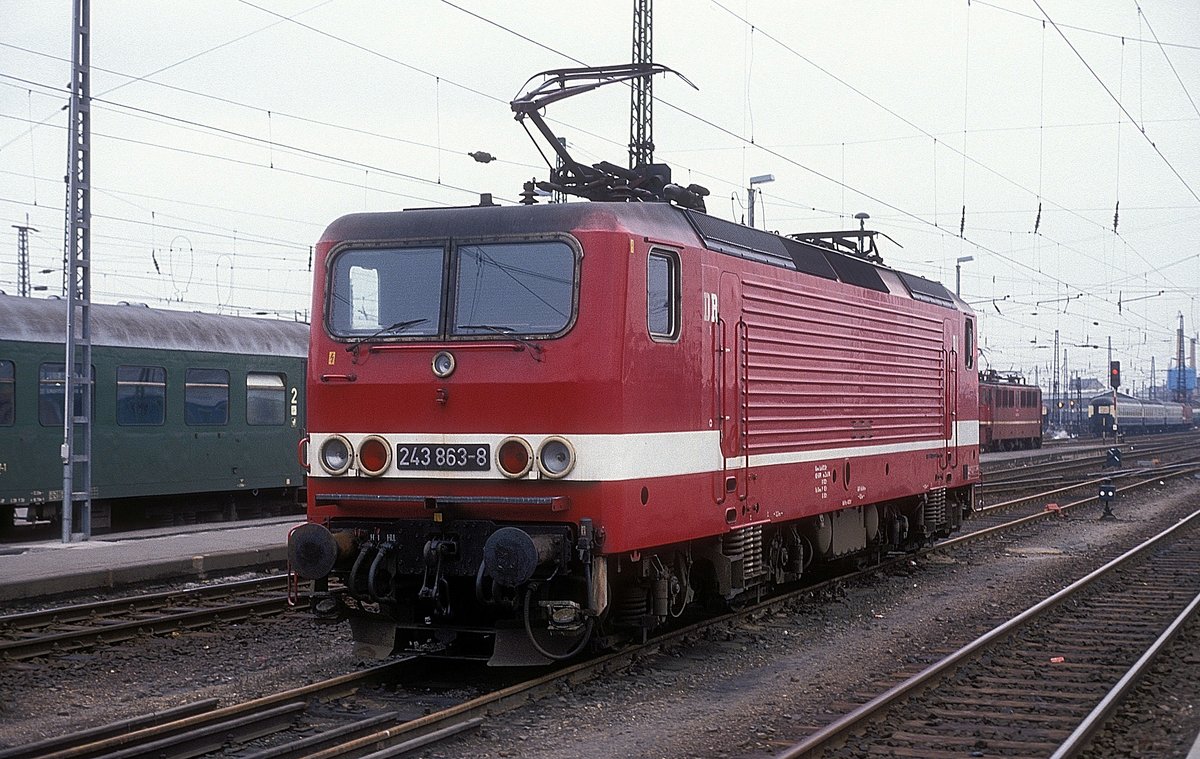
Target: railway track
{"points": [[71, 628], [997, 482], [1042, 683], [201, 727], [350, 715], [1055, 502], [326, 719]]}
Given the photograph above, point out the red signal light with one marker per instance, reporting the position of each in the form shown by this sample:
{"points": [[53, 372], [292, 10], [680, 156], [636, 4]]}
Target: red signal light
{"points": [[374, 455], [515, 457]]}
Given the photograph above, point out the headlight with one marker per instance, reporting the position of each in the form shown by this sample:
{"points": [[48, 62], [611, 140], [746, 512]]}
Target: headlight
{"points": [[443, 364], [335, 455], [556, 457], [374, 455], [514, 457]]}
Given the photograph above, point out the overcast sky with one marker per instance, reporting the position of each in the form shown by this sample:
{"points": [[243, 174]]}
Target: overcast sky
{"points": [[228, 133]]}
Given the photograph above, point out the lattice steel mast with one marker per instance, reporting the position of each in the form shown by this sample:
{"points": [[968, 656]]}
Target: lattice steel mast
{"points": [[641, 125], [23, 257], [77, 368], [1181, 394]]}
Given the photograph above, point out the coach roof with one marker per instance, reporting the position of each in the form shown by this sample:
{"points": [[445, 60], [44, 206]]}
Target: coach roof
{"points": [[45, 321]]}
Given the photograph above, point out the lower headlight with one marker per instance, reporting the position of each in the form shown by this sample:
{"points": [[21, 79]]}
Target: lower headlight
{"points": [[514, 457], [374, 456], [335, 455], [556, 457]]}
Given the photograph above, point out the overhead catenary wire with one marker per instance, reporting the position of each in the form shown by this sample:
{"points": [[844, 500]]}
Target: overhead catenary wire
{"points": [[861, 193], [1142, 17], [773, 201], [181, 61], [910, 123], [1117, 100]]}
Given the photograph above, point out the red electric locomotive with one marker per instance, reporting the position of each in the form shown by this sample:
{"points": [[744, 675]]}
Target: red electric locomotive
{"points": [[546, 425], [1010, 412]]}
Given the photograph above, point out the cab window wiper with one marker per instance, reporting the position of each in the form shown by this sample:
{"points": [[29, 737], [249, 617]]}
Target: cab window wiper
{"points": [[535, 350], [397, 327]]}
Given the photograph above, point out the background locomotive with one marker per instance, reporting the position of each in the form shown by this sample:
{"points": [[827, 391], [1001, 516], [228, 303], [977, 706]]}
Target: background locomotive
{"points": [[211, 407], [1126, 415], [1010, 412]]}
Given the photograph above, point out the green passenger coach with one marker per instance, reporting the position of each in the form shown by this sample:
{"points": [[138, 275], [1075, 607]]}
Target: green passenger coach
{"points": [[195, 416]]}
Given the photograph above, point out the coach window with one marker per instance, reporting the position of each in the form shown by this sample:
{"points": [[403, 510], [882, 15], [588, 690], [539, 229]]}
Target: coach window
{"points": [[51, 383], [8, 394], [970, 340], [662, 296], [141, 395], [266, 399], [206, 397]]}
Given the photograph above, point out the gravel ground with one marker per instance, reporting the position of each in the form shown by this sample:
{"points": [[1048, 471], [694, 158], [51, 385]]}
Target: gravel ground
{"points": [[48, 697], [1162, 718], [746, 692]]}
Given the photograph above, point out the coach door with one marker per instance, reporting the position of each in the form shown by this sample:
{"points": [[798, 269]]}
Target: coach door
{"points": [[950, 352], [731, 407]]}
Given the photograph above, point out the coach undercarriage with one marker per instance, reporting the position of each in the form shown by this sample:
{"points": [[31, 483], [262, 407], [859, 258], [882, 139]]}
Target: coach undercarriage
{"points": [[533, 593]]}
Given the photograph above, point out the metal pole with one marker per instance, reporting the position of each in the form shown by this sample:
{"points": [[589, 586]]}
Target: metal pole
{"points": [[958, 279], [77, 367], [750, 204], [641, 119], [23, 257]]}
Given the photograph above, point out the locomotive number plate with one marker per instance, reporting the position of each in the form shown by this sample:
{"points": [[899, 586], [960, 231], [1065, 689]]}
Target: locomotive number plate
{"points": [[469, 457]]}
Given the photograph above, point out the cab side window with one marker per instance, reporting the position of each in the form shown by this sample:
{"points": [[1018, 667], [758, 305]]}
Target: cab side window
{"points": [[969, 353], [662, 296]]}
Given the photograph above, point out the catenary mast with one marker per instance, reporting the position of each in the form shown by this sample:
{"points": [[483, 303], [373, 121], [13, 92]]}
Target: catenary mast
{"points": [[77, 367]]}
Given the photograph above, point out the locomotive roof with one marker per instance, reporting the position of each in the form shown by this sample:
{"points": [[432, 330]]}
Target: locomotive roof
{"points": [[656, 221], [661, 219], [44, 321]]}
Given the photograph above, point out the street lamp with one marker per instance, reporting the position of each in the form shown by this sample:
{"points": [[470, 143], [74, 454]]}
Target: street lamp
{"points": [[760, 179], [958, 272]]}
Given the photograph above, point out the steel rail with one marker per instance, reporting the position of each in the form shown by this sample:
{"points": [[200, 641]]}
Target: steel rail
{"points": [[1165, 471], [305, 747], [1078, 741], [72, 628], [118, 631], [1043, 458], [206, 739], [148, 601], [102, 732], [1042, 515], [836, 730], [80, 745], [1014, 477]]}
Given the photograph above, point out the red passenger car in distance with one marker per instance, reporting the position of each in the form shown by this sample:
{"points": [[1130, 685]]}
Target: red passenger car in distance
{"points": [[1010, 412], [545, 427]]}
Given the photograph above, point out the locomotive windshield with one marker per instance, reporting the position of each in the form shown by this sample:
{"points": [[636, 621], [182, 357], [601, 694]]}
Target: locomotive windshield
{"points": [[477, 289]]}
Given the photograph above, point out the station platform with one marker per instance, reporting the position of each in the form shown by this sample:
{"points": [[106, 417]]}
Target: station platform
{"points": [[47, 568]]}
